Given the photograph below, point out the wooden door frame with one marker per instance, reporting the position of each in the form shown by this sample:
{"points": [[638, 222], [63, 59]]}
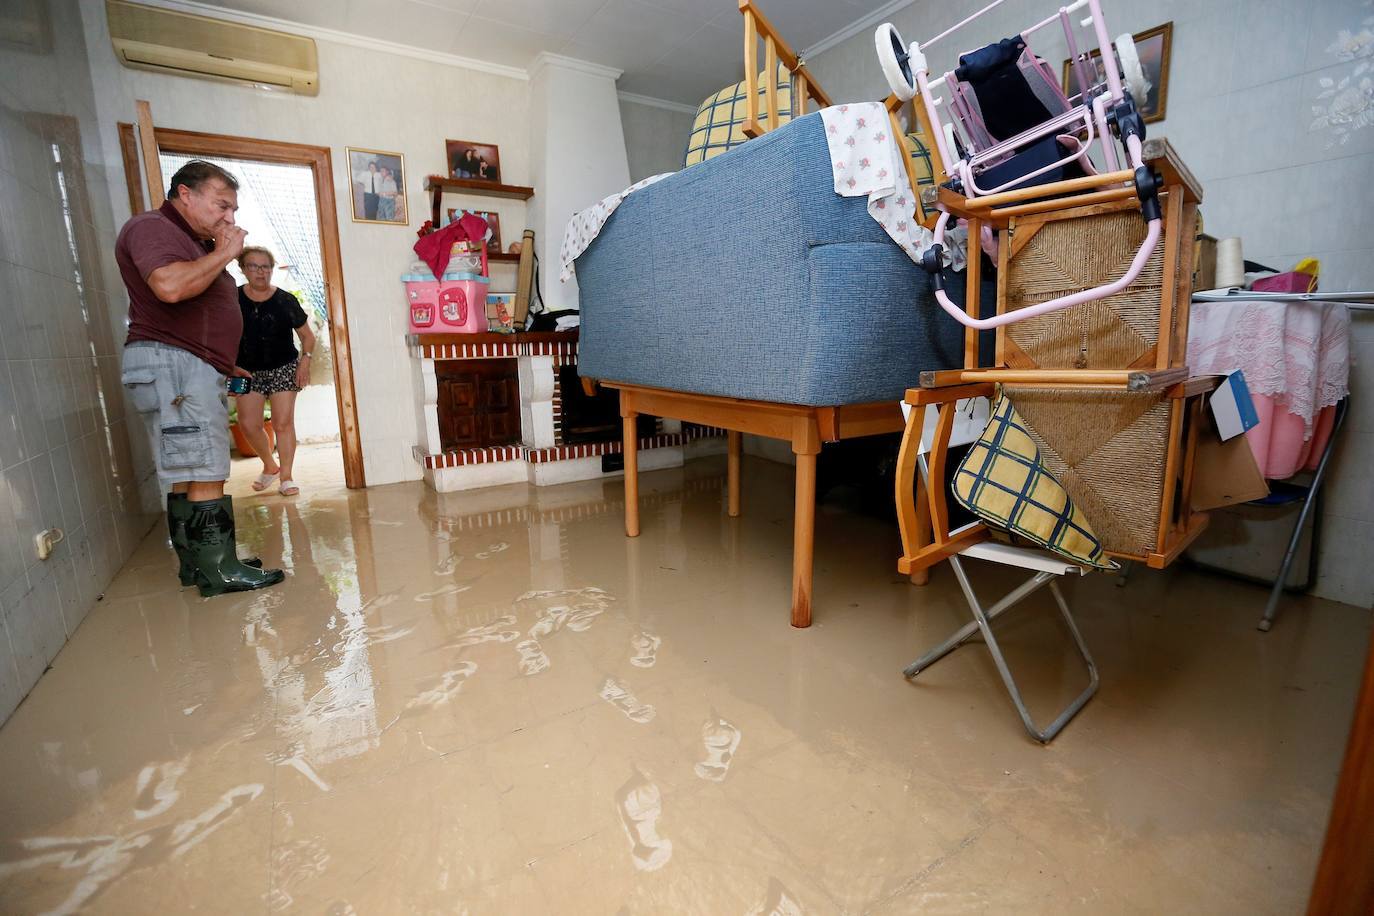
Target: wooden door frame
{"points": [[195, 143]]}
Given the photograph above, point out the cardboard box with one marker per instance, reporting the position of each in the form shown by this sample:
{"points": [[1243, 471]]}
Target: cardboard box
{"points": [[1224, 473], [1205, 263], [1232, 407]]}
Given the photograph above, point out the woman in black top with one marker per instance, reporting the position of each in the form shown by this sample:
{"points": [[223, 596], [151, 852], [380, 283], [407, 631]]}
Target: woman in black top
{"points": [[267, 351]]}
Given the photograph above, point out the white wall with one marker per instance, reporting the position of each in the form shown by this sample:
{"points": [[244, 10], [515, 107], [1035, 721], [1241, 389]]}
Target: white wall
{"points": [[67, 450], [655, 137], [369, 99], [579, 156], [1242, 85]]}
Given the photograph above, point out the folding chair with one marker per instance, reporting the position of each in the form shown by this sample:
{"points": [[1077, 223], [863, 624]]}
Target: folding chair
{"points": [[959, 423]]}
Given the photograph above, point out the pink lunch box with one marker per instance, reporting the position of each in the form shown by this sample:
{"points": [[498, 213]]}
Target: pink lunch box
{"points": [[457, 304]]}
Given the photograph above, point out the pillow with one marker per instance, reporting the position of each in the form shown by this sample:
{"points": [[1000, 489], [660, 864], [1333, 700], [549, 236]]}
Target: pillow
{"points": [[1003, 481], [719, 125], [920, 159]]}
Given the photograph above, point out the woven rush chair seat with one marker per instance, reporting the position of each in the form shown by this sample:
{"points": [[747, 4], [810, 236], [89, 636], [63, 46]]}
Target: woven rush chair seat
{"points": [[1047, 255], [1108, 449]]}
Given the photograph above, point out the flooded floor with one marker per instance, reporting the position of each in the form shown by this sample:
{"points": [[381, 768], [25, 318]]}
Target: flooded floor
{"points": [[494, 702]]}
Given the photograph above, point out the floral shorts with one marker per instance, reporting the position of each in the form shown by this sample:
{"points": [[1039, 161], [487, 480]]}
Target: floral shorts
{"points": [[270, 381]]}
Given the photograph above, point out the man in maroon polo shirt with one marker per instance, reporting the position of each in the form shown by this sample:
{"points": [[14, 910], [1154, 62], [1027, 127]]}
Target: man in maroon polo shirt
{"points": [[184, 329]]}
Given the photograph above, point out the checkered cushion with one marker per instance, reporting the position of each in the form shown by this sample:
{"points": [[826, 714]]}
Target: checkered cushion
{"points": [[920, 159], [719, 125], [1003, 481]]}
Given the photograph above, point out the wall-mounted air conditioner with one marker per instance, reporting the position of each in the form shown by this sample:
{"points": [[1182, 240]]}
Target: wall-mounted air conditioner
{"points": [[150, 38]]}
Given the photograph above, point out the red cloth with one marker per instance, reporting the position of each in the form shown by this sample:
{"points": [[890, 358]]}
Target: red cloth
{"points": [[435, 248]]}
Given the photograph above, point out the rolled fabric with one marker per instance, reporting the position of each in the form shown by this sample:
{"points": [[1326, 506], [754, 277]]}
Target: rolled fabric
{"points": [[1230, 263]]}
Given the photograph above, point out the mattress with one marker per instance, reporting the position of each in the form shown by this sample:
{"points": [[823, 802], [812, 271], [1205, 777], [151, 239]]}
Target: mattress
{"points": [[747, 276]]}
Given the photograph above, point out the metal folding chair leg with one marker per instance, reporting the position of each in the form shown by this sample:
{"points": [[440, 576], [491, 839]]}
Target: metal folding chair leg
{"points": [[1271, 607], [982, 624]]}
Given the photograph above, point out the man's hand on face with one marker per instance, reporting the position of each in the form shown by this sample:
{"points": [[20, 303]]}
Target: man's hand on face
{"points": [[229, 240]]}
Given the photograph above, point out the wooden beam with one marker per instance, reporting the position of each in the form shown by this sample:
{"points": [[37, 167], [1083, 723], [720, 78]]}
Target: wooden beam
{"points": [[152, 166], [770, 89], [1345, 880], [1044, 206], [1160, 155], [133, 175], [938, 552], [751, 126], [1123, 379], [973, 289], [1099, 180], [921, 397]]}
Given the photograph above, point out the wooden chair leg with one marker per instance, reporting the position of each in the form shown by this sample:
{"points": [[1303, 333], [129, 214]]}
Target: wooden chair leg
{"points": [[803, 539], [735, 440], [922, 576], [631, 473], [913, 510]]}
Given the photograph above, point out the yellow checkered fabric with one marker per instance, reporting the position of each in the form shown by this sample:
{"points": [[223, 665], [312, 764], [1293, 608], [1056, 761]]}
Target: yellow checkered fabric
{"points": [[920, 159], [1003, 481], [719, 125]]}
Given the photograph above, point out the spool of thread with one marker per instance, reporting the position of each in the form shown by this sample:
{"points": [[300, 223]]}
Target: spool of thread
{"points": [[1230, 263]]}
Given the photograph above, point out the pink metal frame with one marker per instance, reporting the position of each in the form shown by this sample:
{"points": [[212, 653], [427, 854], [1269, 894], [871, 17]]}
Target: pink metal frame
{"points": [[1087, 115]]}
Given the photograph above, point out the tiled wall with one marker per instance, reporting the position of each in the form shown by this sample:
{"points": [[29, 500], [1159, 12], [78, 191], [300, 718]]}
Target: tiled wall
{"points": [[369, 99], [1246, 78], [655, 138], [65, 453]]}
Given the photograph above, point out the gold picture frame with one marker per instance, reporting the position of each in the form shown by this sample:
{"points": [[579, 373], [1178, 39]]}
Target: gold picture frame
{"points": [[377, 186], [1154, 47]]}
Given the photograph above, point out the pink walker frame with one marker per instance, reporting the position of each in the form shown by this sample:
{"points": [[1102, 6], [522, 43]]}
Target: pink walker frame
{"points": [[1088, 115]]}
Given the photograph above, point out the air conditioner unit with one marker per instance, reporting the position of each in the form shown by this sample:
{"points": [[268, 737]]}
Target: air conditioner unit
{"points": [[150, 38]]}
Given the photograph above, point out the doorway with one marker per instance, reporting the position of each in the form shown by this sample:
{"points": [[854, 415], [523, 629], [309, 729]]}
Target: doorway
{"points": [[309, 248]]}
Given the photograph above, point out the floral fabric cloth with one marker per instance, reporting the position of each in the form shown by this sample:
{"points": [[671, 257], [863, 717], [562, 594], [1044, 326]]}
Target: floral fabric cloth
{"points": [[586, 224]]}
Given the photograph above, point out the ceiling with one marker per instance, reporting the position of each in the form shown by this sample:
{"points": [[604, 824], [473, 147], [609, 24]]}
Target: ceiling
{"points": [[675, 50]]}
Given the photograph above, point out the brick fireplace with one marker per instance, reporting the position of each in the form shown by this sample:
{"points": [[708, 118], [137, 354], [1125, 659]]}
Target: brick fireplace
{"points": [[506, 408]]}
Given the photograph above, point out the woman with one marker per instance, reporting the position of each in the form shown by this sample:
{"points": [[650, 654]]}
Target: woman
{"points": [[386, 210], [267, 351]]}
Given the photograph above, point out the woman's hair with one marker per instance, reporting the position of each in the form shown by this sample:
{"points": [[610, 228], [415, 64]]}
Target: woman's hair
{"points": [[252, 250]]}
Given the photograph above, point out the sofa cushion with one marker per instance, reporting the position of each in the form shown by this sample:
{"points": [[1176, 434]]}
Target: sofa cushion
{"points": [[1005, 483], [719, 124]]}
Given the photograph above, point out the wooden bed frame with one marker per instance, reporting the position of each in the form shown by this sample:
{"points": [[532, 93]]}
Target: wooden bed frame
{"points": [[806, 428]]}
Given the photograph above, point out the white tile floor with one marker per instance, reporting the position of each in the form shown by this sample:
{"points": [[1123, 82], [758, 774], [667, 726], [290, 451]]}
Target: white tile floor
{"points": [[497, 703]]}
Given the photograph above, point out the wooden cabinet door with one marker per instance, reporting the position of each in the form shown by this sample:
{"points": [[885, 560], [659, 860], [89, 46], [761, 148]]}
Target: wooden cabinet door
{"points": [[479, 403]]}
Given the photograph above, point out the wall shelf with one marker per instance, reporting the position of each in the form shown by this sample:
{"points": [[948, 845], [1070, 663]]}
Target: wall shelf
{"points": [[437, 185]]}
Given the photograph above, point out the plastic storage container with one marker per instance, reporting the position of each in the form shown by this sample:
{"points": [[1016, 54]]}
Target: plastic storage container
{"points": [[456, 304]]}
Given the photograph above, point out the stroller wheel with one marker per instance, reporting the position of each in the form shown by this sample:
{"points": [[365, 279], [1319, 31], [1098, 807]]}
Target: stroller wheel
{"points": [[1131, 70], [895, 61]]}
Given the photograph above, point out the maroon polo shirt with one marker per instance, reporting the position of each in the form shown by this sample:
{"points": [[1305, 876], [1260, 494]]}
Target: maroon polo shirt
{"points": [[209, 324]]}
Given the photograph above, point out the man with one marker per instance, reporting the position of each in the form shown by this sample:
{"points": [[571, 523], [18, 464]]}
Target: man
{"points": [[184, 329], [371, 180]]}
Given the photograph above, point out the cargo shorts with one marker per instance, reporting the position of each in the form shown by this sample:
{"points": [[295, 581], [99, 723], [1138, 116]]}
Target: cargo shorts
{"points": [[185, 407]]}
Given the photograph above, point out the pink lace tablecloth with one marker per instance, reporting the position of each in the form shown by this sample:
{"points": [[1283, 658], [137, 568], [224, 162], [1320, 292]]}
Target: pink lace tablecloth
{"points": [[1296, 360]]}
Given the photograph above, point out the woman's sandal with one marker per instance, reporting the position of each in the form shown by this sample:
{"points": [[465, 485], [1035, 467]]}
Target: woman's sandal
{"points": [[264, 481], [289, 488]]}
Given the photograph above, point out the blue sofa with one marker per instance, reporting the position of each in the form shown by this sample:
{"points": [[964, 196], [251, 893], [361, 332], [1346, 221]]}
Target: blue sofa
{"points": [[747, 276]]}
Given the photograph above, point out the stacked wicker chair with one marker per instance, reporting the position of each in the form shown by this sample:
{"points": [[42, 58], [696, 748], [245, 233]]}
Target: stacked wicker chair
{"points": [[1103, 387]]}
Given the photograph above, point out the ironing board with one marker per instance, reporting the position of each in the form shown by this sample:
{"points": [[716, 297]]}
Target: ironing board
{"points": [[1295, 353], [1296, 358]]}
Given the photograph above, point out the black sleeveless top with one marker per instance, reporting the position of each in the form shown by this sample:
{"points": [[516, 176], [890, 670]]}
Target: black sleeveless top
{"points": [[267, 341]]}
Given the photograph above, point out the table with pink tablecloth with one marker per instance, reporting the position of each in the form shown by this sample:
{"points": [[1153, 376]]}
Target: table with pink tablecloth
{"points": [[1296, 360]]}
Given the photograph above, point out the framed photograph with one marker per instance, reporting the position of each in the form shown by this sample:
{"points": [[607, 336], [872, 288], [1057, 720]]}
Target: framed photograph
{"points": [[467, 159], [1153, 47], [493, 227], [500, 311], [379, 186]]}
